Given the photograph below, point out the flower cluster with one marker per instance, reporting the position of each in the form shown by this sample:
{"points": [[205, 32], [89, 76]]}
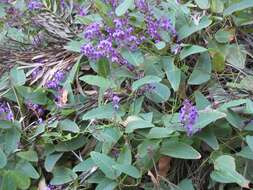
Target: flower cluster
{"points": [[54, 187], [142, 6], [5, 112], [38, 39], [113, 3], [34, 5], [6, 1], [93, 31], [57, 79], [13, 16], [107, 41], [115, 102], [154, 25], [37, 109], [188, 115]]}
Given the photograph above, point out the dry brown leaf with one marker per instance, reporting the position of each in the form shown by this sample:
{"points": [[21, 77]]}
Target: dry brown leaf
{"points": [[153, 179], [42, 184], [63, 97], [164, 165]]}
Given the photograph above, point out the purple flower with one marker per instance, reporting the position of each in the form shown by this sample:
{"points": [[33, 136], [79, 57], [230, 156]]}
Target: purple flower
{"points": [[9, 116], [63, 4], [6, 1], [37, 109], [88, 50], [56, 80], [59, 76], [115, 102], [142, 5], [52, 84], [38, 39], [82, 11], [92, 31], [153, 28], [188, 115], [167, 25], [105, 48], [113, 3], [36, 72], [34, 5], [6, 111]]}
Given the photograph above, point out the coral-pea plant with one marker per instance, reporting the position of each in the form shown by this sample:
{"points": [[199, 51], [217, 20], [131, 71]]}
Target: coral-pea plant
{"points": [[126, 94]]}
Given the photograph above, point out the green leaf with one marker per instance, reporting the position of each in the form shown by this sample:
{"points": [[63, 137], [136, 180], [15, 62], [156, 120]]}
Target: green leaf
{"points": [[246, 152], [134, 123], [98, 81], [136, 106], [186, 184], [29, 155], [225, 171], [201, 101], [2, 11], [28, 169], [74, 45], [22, 181], [105, 164], [68, 125], [3, 159], [242, 4], [202, 70], [16, 34], [103, 67], [102, 112], [160, 45], [232, 103], [107, 184], [217, 6], [249, 140], [62, 175], [159, 94], [135, 58], [17, 76], [191, 28], [125, 156], [203, 4], [191, 49], [172, 72], [179, 150], [11, 139], [8, 182], [145, 80], [209, 138], [91, 18], [101, 6], [218, 61], [236, 56], [235, 119], [51, 160], [108, 136], [159, 132], [128, 169], [123, 7], [84, 166], [73, 144], [208, 116], [223, 36], [6, 124]]}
